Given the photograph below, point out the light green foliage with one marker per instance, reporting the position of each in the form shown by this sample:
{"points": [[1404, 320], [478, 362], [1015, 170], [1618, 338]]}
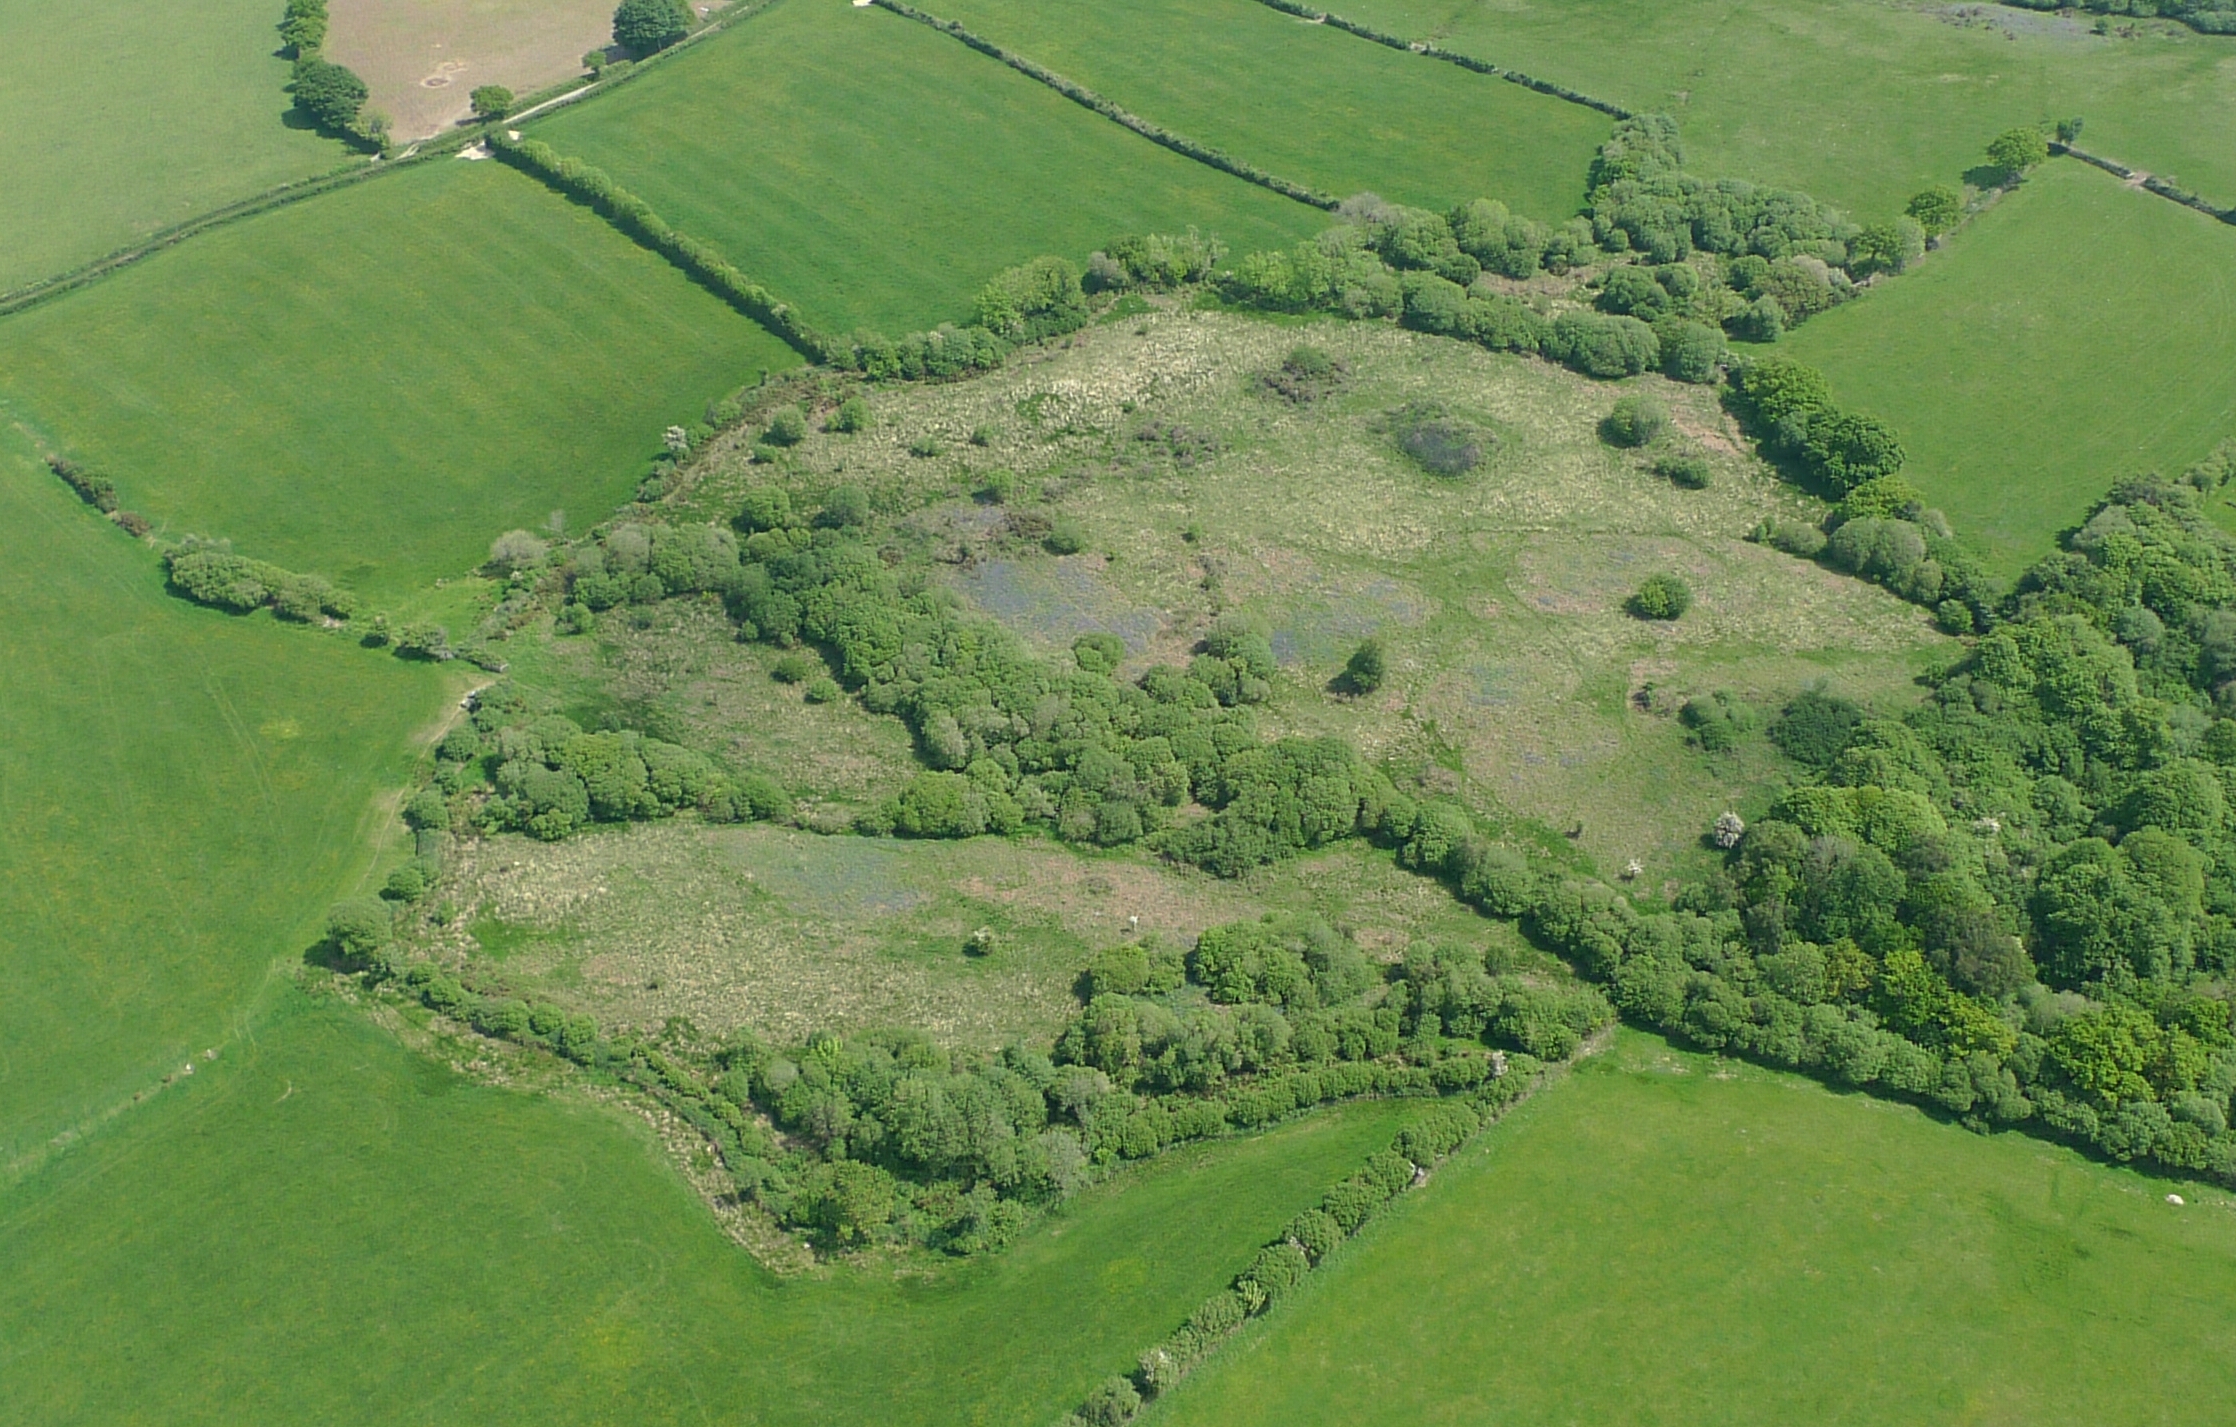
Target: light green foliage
{"points": [[1636, 420], [1311, 104], [527, 369], [918, 169], [2020, 402], [1601, 1177], [2014, 151]]}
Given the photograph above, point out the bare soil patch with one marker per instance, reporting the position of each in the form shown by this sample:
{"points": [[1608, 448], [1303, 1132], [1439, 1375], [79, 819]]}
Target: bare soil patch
{"points": [[422, 58]]}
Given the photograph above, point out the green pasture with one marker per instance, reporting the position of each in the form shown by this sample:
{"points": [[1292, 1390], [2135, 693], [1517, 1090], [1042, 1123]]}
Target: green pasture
{"points": [[2077, 333], [1670, 1238], [122, 119], [1309, 103], [323, 1226], [183, 792], [1858, 101], [374, 383], [877, 172]]}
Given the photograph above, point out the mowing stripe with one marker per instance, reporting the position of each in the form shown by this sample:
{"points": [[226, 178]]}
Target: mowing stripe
{"points": [[1087, 98], [1468, 62]]}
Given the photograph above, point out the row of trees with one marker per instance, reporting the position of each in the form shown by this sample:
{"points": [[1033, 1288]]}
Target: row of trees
{"points": [[328, 94]]}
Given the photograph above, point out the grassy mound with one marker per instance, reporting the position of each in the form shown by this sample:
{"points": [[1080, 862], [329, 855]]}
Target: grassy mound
{"points": [[1668, 1237]]}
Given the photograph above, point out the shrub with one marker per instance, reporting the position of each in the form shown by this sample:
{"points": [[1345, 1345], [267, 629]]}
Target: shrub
{"points": [[765, 508], [1690, 472], [1815, 726], [924, 447], [1113, 1404], [793, 668], [644, 26], [1438, 443], [787, 427], [1636, 420], [1305, 375], [359, 927], [1661, 597], [1762, 320], [1065, 538], [575, 618], [1099, 652], [853, 415], [428, 809], [515, 550], [406, 884], [490, 101], [844, 506], [1367, 666], [1032, 301], [822, 689], [1719, 722], [1690, 351]]}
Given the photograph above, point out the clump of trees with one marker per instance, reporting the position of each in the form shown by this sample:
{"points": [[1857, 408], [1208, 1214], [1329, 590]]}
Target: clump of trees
{"points": [[329, 94], [1793, 415], [644, 27], [208, 572]]}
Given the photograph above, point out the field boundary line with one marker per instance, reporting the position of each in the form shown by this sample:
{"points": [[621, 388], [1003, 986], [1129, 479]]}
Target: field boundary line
{"points": [[2149, 182], [1467, 62], [1087, 98], [33, 293]]}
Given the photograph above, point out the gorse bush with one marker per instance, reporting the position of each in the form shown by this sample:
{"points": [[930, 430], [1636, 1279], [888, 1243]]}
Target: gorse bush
{"points": [[1437, 441], [1661, 597], [1636, 420]]}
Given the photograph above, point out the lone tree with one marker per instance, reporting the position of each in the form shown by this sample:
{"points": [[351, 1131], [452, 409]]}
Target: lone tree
{"points": [[644, 26], [491, 101], [1369, 665], [329, 93], [2016, 150]]}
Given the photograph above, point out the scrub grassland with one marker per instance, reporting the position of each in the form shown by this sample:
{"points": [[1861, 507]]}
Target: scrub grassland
{"points": [[122, 119], [427, 359], [1194, 490], [940, 861], [1857, 101], [1310, 103], [876, 172], [184, 791], [2041, 356], [323, 1225], [1670, 1238]]}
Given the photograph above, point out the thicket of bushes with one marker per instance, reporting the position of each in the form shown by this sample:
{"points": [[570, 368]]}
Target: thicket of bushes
{"points": [[209, 573]]}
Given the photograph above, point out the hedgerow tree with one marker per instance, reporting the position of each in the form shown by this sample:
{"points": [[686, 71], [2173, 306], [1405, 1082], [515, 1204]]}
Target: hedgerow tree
{"points": [[2016, 150], [644, 26], [1937, 209], [490, 101], [1888, 247], [329, 93]]}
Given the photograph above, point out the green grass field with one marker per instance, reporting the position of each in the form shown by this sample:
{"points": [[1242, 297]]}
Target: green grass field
{"points": [[121, 119], [877, 173], [1859, 101], [323, 1226], [374, 383], [2078, 333], [1310, 103], [1670, 1239], [184, 792]]}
